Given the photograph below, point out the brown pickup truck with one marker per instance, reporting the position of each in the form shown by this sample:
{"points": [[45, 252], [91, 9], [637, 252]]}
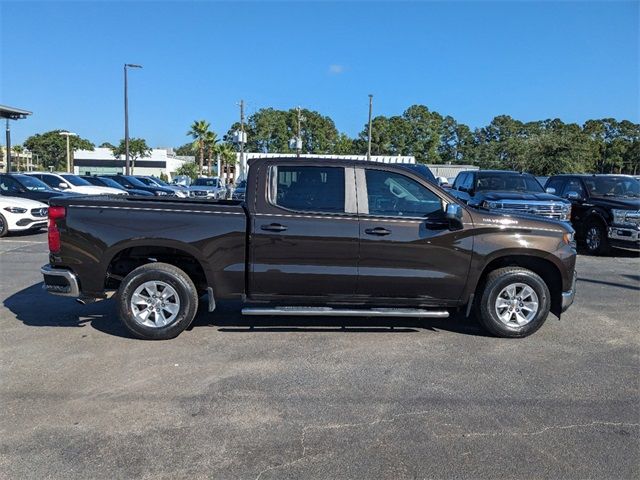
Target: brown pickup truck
{"points": [[329, 237]]}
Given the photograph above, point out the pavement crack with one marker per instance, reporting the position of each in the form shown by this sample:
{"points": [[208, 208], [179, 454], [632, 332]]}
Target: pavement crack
{"points": [[541, 431]]}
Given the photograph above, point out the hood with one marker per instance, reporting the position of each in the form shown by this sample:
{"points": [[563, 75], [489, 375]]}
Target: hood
{"points": [[527, 196], [20, 202], [533, 222], [622, 203]]}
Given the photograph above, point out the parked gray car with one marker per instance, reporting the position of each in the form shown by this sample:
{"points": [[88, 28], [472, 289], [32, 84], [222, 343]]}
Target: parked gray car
{"points": [[207, 187]]}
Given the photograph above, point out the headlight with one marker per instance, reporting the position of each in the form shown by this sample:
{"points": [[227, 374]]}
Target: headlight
{"points": [[15, 209], [489, 205], [568, 238], [619, 216], [159, 192], [566, 212]]}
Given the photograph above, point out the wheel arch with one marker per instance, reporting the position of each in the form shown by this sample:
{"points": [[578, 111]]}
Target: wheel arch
{"points": [[124, 258], [544, 267]]}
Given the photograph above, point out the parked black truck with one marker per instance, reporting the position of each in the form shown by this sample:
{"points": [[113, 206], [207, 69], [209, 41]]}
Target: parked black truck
{"points": [[606, 209], [329, 237]]}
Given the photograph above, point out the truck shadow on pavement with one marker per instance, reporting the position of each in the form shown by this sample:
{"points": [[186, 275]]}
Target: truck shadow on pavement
{"points": [[35, 308]]}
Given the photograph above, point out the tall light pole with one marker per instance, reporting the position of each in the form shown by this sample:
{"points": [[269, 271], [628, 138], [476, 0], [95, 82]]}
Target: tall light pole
{"points": [[369, 140], [68, 134], [126, 117]]}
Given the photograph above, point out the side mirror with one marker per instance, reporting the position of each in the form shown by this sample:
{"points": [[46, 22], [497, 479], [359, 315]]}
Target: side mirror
{"points": [[454, 216], [573, 196], [550, 190], [63, 185]]}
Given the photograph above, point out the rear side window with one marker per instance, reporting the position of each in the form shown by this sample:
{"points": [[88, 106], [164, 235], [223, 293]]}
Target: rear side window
{"points": [[308, 189], [574, 185], [392, 194]]}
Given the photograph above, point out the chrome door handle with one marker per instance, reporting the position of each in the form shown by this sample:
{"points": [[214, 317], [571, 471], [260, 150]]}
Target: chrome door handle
{"points": [[273, 227], [381, 231]]}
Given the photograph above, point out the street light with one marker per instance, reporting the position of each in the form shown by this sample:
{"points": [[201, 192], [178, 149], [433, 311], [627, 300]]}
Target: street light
{"points": [[126, 116], [68, 134]]}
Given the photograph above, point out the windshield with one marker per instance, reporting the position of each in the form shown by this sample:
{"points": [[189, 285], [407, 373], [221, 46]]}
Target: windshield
{"points": [[508, 182], [33, 184], [75, 180], [613, 186], [206, 182], [157, 181], [110, 183], [138, 182], [242, 184]]}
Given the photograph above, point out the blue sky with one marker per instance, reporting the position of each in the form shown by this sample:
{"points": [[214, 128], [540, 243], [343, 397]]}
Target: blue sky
{"points": [[471, 60]]}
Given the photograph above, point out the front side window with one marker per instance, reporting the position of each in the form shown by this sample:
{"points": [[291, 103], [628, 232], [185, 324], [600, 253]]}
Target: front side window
{"points": [[555, 183], [310, 189], [392, 194], [574, 185]]}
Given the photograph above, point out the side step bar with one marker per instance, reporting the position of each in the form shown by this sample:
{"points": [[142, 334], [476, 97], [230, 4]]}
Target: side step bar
{"points": [[340, 312]]}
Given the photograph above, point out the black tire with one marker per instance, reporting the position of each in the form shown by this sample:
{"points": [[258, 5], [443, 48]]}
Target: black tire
{"points": [[4, 227], [171, 275], [596, 239], [495, 282]]}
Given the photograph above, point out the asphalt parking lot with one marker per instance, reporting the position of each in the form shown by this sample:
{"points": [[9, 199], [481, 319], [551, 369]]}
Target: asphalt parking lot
{"points": [[293, 399]]}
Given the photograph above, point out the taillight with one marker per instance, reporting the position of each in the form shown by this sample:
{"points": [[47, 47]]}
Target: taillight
{"points": [[55, 213]]}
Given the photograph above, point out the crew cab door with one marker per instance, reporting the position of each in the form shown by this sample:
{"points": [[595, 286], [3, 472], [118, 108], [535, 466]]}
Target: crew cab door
{"points": [[407, 249], [304, 232]]}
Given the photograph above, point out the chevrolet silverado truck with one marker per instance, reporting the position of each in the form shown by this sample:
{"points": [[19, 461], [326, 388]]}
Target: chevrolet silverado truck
{"points": [[606, 209], [312, 237], [507, 191]]}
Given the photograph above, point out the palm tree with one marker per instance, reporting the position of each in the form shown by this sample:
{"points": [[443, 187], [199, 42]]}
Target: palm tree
{"points": [[227, 157], [210, 141], [198, 132]]}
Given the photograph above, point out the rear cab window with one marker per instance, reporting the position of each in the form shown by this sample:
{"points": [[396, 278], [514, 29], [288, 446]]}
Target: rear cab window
{"points": [[308, 188]]}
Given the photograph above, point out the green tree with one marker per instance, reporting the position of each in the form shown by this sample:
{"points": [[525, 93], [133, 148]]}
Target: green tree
{"points": [[190, 169], [138, 148], [51, 148], [198, 132], [108, 145], [187, 150], [228, 159]]}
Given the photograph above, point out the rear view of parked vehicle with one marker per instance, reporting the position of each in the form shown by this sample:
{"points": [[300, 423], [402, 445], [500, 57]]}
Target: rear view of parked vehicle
{"points": [[509, 192], [606, 209], [21, 214]]}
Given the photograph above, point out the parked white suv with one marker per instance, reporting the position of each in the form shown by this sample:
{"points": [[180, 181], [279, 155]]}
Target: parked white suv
{"points": [[67, 182], [20, 214], [207, 187]]}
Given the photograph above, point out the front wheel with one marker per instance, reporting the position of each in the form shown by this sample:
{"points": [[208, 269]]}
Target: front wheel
{"points": [[596, 239], [515, 302], [157, 301]]}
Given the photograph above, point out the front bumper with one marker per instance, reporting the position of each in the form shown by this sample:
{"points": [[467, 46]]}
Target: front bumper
{"points": [[569, 296], [624, 236], [60, 281]]}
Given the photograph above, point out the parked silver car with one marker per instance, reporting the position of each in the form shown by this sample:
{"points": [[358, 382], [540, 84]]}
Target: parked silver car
{"points": [[207, 187]]}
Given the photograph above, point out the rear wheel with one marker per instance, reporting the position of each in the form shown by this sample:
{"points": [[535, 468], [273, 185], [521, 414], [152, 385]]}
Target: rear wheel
{"points": [[596, 238], [515, 302], [4, 227], [157, 301]]}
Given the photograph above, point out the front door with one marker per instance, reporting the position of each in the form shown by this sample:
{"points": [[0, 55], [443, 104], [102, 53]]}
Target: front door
{"points": [[406, 247], [304, 241]]}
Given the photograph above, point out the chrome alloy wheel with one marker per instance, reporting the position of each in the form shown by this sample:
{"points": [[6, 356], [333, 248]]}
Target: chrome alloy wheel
{"points": [[517, 304], [155, 304], [593, 238]]}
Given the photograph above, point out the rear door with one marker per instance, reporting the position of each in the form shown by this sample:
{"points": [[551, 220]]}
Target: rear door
{"points": [[304, 240], [407, 250]]}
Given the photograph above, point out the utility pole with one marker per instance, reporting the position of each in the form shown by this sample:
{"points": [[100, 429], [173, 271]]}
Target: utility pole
{"points": [[242, 139], [299, 137], [369, 140], [127, 166], [8, 147]]}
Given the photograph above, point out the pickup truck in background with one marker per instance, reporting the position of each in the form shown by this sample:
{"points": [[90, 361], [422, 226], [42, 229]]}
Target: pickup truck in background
{"points": [[312, 237], [506, 191], [606, 209]]}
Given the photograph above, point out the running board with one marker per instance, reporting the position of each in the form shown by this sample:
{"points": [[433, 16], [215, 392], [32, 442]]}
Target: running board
{"points": [[339, 312]]}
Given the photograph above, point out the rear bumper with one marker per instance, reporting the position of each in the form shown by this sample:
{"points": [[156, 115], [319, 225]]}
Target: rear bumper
{"points": [[60, 281], [569, 295]]}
